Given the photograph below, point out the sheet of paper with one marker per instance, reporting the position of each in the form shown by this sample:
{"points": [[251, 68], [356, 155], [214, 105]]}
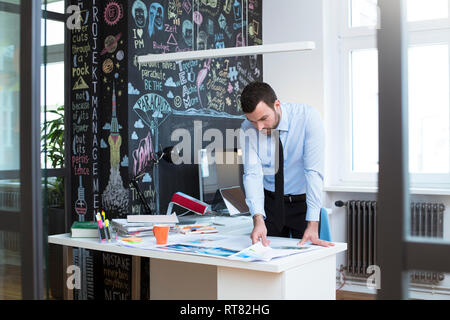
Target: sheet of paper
{"points": [[153, 218], [236, 243], [258, 252]]}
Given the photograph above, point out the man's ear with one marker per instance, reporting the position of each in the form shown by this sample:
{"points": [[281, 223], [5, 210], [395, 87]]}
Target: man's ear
{"points": [[277, 104]]}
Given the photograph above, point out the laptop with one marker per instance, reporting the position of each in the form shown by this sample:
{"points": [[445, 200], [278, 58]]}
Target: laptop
{"points": [[230, 200]]}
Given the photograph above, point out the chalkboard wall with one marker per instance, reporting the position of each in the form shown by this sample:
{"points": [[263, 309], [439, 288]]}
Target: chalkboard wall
{"points": [[123, 112], [167, 101]]}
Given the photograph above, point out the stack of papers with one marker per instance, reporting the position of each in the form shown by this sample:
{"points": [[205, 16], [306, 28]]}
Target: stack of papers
{"points": [[142, 225], [125, 228]]}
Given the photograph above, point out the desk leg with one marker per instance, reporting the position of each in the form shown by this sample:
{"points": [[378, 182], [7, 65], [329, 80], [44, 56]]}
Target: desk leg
{"points": [[136, 278], [67, 261], [243, 284], [312, 281], [315, 280], [174, 280]]}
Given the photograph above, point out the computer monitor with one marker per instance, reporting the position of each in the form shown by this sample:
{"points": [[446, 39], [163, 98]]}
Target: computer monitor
{"points": [[220, 170]]}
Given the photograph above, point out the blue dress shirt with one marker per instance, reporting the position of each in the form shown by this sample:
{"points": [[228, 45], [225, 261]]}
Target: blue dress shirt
{"points": [[302, 134]]}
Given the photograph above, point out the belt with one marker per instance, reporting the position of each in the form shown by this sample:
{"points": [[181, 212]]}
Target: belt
{"points": [[290, 198]]}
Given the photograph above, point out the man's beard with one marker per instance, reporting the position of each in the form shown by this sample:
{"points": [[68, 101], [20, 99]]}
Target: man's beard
{"points": [[268, 131]]}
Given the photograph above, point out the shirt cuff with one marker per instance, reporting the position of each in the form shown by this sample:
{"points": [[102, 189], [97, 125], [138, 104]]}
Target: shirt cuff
{"points": [[256, 208], [313, 214]]}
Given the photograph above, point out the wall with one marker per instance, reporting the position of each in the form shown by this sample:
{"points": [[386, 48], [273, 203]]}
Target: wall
{"points": [[296, 77], [195, 94], [122, 112]]}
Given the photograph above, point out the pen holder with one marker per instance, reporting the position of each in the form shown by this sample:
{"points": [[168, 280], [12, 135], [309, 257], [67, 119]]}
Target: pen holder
{"points": [[102, 235], [105, 233]]}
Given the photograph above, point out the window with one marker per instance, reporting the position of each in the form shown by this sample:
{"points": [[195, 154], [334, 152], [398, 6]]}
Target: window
{"points": [[52, 88], [363, 13], [364, 100], [54, 6], [429, 109], [428, 93], [54, 173], [419, 10], [54, 32]]}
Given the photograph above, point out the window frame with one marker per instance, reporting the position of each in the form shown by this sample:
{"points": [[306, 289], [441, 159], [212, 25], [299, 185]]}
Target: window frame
{"points": [[339, 169], [403, 253], [54, 54]]}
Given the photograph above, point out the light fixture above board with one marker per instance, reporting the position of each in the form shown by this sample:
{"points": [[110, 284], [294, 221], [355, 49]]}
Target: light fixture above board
{"points": [[228, 52]]}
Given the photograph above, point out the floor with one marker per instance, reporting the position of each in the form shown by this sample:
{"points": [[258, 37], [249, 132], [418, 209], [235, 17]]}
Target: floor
{"points": [[346, 295], [10, 277]]}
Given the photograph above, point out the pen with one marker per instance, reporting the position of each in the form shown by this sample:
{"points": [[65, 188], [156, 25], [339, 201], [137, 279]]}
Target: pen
{"points": [[195, 227], [107, 230], [204, 232], [202, 229]]}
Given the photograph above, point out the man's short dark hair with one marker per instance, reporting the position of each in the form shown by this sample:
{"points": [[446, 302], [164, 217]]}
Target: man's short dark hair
{"points": [[256, 92]]}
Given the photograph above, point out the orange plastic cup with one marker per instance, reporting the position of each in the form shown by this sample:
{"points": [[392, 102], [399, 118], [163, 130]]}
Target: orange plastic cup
{"points": [[161, 233]]}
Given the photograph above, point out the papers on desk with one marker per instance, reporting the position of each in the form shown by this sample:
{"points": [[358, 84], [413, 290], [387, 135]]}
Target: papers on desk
{"points": [[228, 247], [259, 252]]}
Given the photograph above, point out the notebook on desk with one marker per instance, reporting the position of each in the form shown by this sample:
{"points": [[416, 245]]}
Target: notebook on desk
{"points": [[231, 200]]}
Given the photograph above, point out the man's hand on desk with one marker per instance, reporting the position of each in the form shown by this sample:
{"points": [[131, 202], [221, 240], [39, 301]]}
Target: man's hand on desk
{"points": [[259, 230], [312, 234]]}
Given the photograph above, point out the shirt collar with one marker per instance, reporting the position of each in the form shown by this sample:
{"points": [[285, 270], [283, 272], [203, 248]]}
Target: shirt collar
{"points": [[284, 123]]}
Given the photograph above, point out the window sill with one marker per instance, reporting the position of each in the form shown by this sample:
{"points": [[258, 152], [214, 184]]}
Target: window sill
{"points": [[368, 189], [351, 189]]}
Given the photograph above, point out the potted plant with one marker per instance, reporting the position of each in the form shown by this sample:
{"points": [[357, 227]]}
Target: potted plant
{"points": [[53, 131]]}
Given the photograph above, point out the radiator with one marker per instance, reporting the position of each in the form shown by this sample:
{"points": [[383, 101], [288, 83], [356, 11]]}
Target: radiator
{"points": [[9, 201], [427, 220], [361, 236]]}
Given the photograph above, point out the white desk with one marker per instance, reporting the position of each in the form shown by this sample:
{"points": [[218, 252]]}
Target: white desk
{"points": [[309, 275]]}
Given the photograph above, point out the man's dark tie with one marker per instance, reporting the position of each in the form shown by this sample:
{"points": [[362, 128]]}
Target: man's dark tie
{"points": [[279, 189]]}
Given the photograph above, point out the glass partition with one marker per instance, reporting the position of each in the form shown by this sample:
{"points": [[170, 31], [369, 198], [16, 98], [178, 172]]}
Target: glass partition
{"points": [[10, 253]]}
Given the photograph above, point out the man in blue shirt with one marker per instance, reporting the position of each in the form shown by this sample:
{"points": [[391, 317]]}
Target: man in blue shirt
{"points": [[285, 202]]}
